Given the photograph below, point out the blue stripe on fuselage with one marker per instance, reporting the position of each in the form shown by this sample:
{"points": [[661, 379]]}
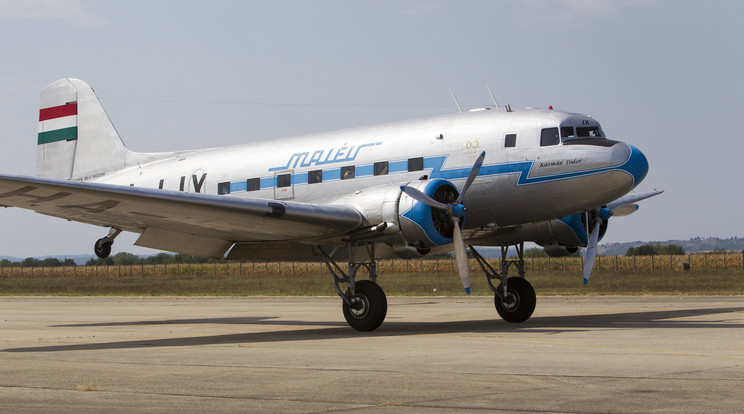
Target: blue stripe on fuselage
{"points": [[636, 166]]}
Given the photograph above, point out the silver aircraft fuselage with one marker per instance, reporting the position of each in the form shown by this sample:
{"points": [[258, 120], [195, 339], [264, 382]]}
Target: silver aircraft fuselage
{"points": [[539, 165]]}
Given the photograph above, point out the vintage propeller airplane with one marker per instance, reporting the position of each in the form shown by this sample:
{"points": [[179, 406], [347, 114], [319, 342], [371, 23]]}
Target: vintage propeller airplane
{"points": [[490, 177]]}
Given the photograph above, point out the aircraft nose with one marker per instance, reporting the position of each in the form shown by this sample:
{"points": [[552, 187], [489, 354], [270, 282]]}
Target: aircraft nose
{"points": [[636, 164]]}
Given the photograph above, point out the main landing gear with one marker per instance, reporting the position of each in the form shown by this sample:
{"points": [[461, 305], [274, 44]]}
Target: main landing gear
{"points": [[102, 247], [364, 303], [514, 296]]}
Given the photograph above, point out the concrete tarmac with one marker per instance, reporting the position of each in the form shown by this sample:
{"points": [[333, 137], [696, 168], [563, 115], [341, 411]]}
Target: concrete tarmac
{"points": [[432, 354]]}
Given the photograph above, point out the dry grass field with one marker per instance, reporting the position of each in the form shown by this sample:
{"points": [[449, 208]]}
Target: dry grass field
{"points": [[615, 275]]}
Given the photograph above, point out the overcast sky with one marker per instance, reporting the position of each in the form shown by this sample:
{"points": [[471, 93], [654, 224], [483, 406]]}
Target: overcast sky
{"points": [[665, 76]]}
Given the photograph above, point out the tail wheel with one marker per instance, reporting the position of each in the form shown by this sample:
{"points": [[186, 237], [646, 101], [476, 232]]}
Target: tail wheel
{"points": [[368, 307], [519, 303]]}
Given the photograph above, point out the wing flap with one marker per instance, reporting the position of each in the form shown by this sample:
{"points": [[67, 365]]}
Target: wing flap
{"points": [[158, 238]]}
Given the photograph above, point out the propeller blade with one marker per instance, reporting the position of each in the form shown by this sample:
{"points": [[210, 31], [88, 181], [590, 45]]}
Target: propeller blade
{"points": [[471, 177], [461, 256], [423, 198], [591, 252]]}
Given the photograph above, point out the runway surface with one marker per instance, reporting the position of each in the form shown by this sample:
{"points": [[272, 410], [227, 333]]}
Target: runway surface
{"points": [[432, 354]]}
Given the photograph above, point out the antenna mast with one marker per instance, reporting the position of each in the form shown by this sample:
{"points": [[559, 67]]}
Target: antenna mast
{"points": [[490, 92], [456, 103]]}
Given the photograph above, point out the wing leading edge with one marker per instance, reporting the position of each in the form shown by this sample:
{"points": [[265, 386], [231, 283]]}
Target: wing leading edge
{"points": [[196, 223]]}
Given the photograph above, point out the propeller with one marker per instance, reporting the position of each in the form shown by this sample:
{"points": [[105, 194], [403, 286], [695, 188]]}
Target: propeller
{"points": [[621, 207], [455, 210], [591, 250]]}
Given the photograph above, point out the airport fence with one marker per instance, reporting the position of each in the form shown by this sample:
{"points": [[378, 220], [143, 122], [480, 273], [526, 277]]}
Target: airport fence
{"points": [[429, 266]]}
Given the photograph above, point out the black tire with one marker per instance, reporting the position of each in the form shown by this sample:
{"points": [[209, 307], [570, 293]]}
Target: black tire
{"points": [[372, 307], [520, 303], [102, 249]]}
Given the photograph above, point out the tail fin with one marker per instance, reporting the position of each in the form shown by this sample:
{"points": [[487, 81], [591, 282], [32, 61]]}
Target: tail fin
{"points": [[76, 138]]}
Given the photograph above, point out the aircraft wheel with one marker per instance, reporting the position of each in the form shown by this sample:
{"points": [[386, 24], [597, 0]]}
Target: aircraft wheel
{"points": [[519, 304], [102, 248], [369, 307]]}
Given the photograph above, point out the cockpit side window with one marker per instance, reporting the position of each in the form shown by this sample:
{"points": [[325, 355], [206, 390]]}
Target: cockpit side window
{"points": [[587, 132], [549, 136]]}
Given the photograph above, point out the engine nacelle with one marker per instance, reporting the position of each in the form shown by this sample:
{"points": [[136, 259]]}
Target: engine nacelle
{"points": [[422, 226], [411, 228], [559, 237], [572, 231], [556, 250]]}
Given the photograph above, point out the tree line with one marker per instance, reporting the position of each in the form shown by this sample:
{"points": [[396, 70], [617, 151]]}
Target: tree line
{"points": [[129, 259], [119, 259]]}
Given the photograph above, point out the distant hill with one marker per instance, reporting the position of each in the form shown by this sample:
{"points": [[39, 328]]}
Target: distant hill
{"points": [[693, 245]]}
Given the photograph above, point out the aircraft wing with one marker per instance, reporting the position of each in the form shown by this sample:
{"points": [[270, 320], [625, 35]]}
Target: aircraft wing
{"points": [[200, 224]]}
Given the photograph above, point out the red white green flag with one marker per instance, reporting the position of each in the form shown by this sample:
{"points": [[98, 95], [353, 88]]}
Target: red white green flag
{"points": [[58, 123]]}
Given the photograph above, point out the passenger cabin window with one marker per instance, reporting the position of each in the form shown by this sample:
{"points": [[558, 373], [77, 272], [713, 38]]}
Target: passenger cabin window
{"points": [[381, 168], [549, 136], [283, 180], [253, 184], [223, 188], [315, 176], [510, 140], [586, 132], [416, 164], [347, 173], [567, 132]]}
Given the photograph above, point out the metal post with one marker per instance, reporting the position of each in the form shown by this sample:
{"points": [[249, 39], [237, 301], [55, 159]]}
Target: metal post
{"points": [[616, 263]]}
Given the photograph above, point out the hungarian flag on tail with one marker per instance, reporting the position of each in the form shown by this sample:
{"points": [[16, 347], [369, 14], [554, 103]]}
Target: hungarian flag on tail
{"points": [[58, 123]]}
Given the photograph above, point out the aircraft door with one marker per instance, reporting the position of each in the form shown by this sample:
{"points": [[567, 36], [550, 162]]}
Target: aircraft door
{"points": [[284, 188]]}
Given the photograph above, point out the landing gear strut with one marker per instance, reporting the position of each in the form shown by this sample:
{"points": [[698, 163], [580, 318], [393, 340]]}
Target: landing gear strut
{"points": [[102, 247], [364, 302], [514, 297]]}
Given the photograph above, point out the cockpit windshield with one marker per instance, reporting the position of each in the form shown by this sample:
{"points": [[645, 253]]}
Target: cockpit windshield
{"points": [[570, 132], [589, 132]]}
